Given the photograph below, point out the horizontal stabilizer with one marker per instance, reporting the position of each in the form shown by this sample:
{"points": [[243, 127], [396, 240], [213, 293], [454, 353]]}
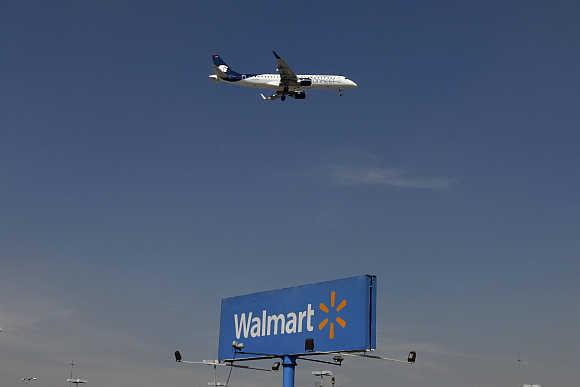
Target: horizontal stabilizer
{"points": [[270, 98]]}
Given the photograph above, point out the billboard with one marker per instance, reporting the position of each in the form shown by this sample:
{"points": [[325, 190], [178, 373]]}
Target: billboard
{"points": [[329, 316]]}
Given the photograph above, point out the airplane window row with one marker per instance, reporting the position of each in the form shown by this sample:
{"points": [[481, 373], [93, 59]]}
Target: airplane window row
{"points": [[316, 77]]}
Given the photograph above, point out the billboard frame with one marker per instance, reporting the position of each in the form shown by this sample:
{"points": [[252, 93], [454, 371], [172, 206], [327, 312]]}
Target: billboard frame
{"points": [[361, 292]]}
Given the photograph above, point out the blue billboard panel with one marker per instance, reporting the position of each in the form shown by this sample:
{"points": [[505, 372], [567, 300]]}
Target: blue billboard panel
{"points": [[324, 317]]}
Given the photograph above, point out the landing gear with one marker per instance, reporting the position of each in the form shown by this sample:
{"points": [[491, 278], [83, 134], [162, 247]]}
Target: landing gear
{"points": [[340, 92], [283, 97]]}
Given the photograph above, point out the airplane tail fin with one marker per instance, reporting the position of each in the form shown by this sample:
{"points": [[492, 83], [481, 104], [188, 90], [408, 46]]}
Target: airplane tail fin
{"points": [[221, 67]]}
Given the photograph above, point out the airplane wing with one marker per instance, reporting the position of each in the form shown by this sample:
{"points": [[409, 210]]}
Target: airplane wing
{"points": [[287, 77]]}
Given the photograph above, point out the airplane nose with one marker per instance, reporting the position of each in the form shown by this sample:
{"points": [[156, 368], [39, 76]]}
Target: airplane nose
{"points": [[352, 83]]}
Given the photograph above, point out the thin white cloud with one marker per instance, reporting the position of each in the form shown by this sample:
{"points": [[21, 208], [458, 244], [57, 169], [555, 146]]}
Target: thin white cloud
{"points": [[350, 175]]}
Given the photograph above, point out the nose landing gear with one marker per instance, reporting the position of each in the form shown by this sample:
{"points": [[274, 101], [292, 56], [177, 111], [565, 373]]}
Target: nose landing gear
{"points": [[340, 92]]}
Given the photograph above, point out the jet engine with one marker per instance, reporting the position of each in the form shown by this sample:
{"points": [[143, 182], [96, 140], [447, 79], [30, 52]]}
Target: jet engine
{"points": [[299, 95], [305, 82]]}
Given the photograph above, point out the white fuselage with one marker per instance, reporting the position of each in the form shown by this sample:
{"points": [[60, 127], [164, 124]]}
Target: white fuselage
{"points": [[272, 81]]}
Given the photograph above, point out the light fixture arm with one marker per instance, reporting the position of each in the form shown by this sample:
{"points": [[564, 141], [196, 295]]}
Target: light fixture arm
{"points": [[334, 363], [409, 361], [216, 363]]}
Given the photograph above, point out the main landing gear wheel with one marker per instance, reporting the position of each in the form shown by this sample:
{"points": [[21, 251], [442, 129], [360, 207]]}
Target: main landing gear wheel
{"points": [[283, 98]]}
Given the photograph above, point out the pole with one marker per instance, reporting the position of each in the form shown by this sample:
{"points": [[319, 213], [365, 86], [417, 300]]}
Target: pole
{"points": [[215, 375], [289, 366], [72, 365]]}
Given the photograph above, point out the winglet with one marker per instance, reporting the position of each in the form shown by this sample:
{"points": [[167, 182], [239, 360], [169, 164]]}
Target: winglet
{"points": [[276, 55]]}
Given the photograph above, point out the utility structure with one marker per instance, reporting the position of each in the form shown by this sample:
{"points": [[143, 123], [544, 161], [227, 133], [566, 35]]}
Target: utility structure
{"points": [[74, 380], [322, 374], [334, 318]]}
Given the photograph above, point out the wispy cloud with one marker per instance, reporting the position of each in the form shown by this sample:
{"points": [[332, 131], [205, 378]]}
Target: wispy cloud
{"points": [[395, 177]]}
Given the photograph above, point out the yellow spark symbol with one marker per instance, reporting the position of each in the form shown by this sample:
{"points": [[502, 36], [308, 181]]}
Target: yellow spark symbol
{"points": [[326, 310]]}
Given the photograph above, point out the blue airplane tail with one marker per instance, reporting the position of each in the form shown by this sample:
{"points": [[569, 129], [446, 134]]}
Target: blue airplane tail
{"points": [[222, 67], [217, 60]]}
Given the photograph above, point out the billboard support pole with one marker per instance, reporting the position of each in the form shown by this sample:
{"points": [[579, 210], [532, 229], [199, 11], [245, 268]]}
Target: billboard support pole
{"points": [[289, 366]]}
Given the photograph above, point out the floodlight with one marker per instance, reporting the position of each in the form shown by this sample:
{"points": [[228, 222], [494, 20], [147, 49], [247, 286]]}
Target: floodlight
{"points": [[238, 346], [178, 356], [77, 381], [309, 345], [412, 357], [338, 359], [276, 366]]}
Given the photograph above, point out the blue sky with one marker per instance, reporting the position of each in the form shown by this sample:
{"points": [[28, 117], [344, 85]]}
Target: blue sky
{"points": [[136, 193]]}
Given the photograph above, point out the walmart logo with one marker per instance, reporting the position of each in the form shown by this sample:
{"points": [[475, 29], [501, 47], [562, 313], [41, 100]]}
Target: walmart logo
{"points": [[338, 319], [252, 324]]}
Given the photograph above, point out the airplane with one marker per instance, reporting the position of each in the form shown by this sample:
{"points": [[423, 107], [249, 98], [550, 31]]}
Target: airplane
{"points": [[29, 379], [286, 82]]}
